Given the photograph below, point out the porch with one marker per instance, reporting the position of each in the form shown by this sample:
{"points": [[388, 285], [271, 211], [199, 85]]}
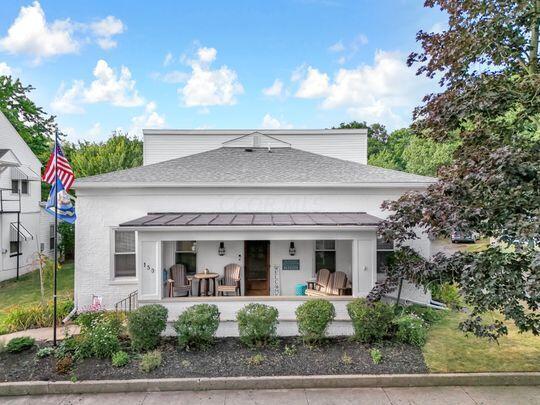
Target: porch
{"points": [[275, 253]]}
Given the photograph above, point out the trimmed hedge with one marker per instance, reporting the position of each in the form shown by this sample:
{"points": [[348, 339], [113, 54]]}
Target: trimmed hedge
{"points": [[372, 322], [313, 318], [257, 324], [145, 325], [197, 326]]}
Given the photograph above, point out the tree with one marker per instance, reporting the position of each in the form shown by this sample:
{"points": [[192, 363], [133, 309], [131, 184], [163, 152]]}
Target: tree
{"points": [[376, 131], [487, 65], [32, 123], [119, 152], [425, 156]]}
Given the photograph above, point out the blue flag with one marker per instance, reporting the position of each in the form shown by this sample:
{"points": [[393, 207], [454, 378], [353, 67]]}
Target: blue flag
{"points": [[66, 210]]}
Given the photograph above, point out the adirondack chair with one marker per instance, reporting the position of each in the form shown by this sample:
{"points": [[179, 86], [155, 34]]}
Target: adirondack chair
{"points": [[337, 284], [178, 283], [320, 284], [230, 281]]}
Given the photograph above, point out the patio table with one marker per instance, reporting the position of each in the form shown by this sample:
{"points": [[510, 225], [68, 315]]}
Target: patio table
{"points": [[207, 277]]}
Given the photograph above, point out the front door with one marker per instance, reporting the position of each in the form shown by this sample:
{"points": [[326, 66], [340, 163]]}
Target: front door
{"points": [[257, 267]]}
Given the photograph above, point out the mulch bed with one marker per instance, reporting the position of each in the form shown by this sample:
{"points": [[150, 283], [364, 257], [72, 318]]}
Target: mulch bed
{"points": [[229, 358]]}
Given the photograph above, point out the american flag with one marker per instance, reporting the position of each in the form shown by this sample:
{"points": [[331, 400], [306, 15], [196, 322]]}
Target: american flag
{"points": [[65, 173]]}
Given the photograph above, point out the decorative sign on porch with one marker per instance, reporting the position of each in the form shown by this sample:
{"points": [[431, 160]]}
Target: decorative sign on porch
{"points": [[290, 264]]}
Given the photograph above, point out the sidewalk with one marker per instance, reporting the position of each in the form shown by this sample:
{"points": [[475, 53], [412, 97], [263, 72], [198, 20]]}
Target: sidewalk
{"points": [[43, 334], [529, 395]]}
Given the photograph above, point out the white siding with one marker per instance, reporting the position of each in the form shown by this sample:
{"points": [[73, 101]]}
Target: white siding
{"points": [[342, 145]]}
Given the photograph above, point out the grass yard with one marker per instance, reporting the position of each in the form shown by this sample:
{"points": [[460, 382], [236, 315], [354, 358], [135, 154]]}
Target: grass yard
{"points": [[26, 290], [449, 350]]}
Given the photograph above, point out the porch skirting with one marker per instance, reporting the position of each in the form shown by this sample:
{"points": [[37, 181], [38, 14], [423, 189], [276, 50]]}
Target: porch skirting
{"points": [[229, 306]]}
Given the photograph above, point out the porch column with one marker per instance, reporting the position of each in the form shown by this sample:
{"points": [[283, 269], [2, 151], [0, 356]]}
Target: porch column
{"points": [[364, 268]]}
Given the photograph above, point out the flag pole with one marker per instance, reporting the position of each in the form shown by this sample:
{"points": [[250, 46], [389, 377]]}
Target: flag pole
{"points": [[55, 232]]}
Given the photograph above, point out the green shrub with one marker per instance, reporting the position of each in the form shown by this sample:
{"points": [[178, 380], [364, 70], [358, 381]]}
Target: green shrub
{"points": [[120, 359], [428, 315], [45, 352], [257, 324], [314, 317], [23, 317], [145, 326], [2, 346], [411, 329], [85, 319], [150, 361], [197, 325], [376, 356], [103, 338], [447, 294], [372, 322], [19, 344], [66, 347]]}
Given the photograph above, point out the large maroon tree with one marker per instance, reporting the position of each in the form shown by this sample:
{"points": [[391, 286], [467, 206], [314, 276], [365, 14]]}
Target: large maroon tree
{"points": [[487, 64]]}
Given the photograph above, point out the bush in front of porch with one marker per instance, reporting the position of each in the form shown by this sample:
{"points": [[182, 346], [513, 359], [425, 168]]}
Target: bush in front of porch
{"points": [[257, 324], [145, 325], [372, 322], [313, 318], [197, 326]]}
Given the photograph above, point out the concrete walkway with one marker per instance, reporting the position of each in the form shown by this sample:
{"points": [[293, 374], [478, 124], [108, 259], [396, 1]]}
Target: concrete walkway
{"points": [[514, 395], [43, 334]]}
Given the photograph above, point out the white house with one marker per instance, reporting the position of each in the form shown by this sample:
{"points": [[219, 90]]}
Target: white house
{"points": [[279, 203], [25, 228]]}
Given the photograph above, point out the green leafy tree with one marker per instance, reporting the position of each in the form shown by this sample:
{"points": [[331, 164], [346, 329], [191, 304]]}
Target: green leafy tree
{"points": [[32, 123], [425, 156], [120, 151], [487, 66]]}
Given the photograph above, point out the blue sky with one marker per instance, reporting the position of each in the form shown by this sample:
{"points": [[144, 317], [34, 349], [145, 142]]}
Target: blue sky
{"points": [[105, 65]]}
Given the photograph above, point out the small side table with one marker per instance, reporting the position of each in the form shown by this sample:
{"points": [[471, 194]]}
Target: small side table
{"points": [[311, 283], [206, 277]]}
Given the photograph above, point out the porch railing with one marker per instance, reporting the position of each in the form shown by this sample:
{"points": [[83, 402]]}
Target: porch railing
{"points": [[128, 304]]}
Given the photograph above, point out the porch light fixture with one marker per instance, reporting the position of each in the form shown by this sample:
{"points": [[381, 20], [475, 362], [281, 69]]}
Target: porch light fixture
{"points": [[221, 249], [292, 249], [194, 247]]}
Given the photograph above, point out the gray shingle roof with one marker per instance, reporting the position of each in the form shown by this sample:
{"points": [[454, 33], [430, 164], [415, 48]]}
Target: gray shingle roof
{"points": [[255, 219], [233, 165]]}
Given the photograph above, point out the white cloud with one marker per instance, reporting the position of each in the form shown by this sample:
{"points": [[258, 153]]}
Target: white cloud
{"points": [[105, 29], [168, 59], [275, 90], [31, 34], [314, 85], [174, 76], [108, 87], [270, 122], [206, 87], [95, 133], [5, 69], [337, 47], [148, 119], [439, 27], [385, 90]]}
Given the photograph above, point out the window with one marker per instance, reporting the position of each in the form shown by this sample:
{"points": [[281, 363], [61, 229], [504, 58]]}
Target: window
{"points": [[14, 248], [124, 254], [24, 186], [17, 185], [385, 251], [325, 255], [186, 254], [41, 247], [51, 237]]}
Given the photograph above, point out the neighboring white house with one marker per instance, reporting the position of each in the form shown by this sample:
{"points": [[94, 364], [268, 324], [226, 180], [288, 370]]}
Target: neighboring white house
{"points": [[22, 216], [279, 203]]}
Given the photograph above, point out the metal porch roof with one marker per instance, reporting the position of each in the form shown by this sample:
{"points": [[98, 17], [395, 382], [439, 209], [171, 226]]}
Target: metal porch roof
{"points": [[166, 219]]}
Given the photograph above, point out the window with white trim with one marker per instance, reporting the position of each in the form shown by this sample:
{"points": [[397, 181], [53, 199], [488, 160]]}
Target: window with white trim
{"points": [[186, 253], [325, 255], [385, 251], [124, 254], [22, 185]]}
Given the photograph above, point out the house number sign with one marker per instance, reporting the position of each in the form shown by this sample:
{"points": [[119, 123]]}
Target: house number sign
{"points": [[148, 267]]}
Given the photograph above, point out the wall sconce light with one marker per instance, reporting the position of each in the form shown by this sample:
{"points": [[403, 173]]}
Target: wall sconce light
{"points": [[221, 249], [194, 247], [292, 249]]}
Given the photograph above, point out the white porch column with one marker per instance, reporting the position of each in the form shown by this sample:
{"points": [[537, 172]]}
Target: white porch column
{"points": [[364, 266], [149, 270]]}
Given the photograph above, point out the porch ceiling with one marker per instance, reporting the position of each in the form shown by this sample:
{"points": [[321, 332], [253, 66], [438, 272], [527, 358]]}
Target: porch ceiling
{"points": [[255, 219]]}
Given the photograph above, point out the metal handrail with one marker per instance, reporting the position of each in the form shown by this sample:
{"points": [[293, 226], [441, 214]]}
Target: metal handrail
{"points": [[128, 304]]}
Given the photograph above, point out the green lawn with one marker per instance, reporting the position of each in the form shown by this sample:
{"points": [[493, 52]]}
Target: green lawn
{"points": [[26, 290], [449, 350]]}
